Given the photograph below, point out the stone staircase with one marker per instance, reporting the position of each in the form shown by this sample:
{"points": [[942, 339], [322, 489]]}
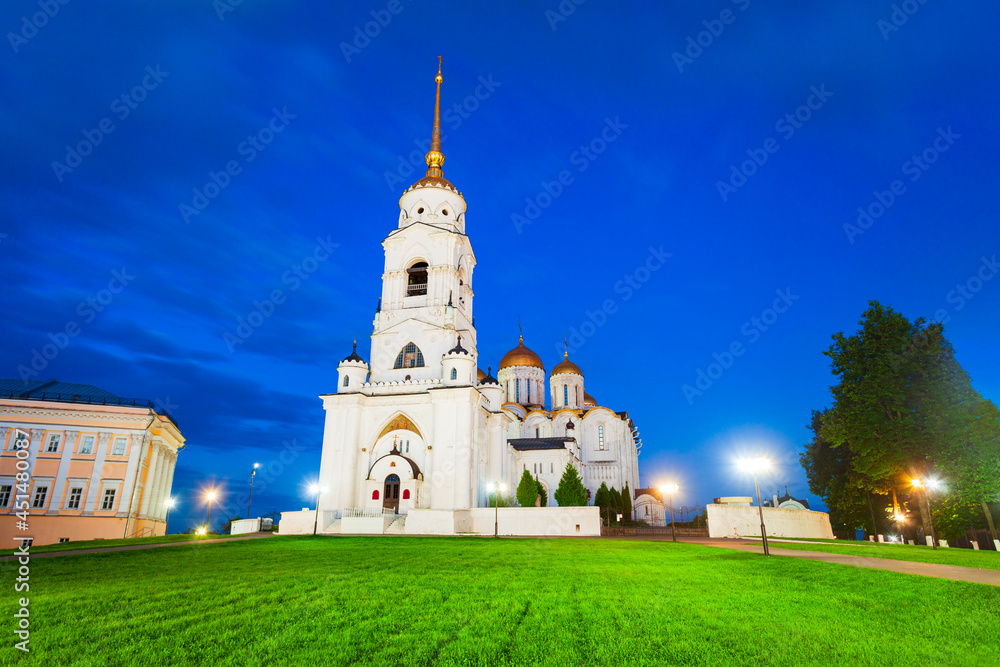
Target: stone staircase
{"points": [[397, 527]]}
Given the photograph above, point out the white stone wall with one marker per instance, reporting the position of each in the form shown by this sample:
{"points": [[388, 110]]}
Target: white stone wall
{"points": [[519, 521], [744, 521]]}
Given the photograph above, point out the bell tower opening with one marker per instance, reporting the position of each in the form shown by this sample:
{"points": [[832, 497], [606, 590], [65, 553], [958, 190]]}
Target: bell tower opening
{"points": [[416, 284]]}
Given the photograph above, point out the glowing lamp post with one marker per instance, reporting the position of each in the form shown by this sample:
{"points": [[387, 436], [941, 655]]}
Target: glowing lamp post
{"points": [[168, 503], [210, 497], [900, 520], [496, 489], [925, 485], [316, 490], [253, 472], [669, 490], [754, 466]]}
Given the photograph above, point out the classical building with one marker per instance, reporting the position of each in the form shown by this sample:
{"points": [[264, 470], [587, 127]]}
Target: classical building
{"points": [[422, 426], [98, 465]]}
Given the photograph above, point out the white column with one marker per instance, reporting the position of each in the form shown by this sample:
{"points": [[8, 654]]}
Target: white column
{"points": [[156, 489], [147, 482], [168, 484], [128, 485], [163, 487], [69, 440], [95, 475]]}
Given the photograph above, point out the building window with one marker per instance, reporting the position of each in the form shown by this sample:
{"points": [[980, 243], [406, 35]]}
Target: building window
{"points": [[109, 500], [53, 445], [600, 437], [63, 539], [565, 395], [527, 391], [517, 390], [406, 494], [347, 380], [416, 282], [5, 495], [26, 542], [454, 373], [410, 357], [40, 493], [375, 494], [552, 467], [407, 446], [87, 444], [578, 395], [538, 432], [119, 448], [74, 498]]}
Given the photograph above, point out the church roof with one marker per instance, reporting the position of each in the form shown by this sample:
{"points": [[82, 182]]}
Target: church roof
{"points": [[567, 366], [528, 444], [354, 356], [652, 491], [521, 356]]}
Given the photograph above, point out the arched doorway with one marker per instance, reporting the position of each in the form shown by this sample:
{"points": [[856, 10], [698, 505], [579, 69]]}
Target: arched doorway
{"points": [[390, 498]]}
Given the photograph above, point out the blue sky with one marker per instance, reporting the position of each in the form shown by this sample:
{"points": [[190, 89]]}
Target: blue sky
{"points": [[865, 96]]}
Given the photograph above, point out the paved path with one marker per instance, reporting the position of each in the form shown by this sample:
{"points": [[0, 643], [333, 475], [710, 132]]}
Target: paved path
{"points": [[954, 572], [133, 547]]}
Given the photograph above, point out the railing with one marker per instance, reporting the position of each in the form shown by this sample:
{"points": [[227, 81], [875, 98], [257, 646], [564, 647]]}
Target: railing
{"points": [[365, 512], [418, 289], [86, 400]]}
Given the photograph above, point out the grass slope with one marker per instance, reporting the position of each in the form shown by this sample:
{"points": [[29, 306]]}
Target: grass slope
{"points": [[986, 560], [466, 601], [102, 544]]}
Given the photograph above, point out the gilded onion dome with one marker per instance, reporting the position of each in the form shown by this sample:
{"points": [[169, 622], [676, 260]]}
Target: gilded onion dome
{"points": [[480, 374], [521, 356], [567, 366], [589, 401]]}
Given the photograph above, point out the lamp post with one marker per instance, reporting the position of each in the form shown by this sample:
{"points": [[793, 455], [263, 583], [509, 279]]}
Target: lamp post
{"points": [[496, 489], [669, 490], [168, 503], [924, 485], [753, 466], [253, 472], [900, 520], [316, 489], [210, 496]]}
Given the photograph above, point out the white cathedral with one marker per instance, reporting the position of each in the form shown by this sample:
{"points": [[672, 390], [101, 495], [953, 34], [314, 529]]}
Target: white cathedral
{"points": [[422, 426]]}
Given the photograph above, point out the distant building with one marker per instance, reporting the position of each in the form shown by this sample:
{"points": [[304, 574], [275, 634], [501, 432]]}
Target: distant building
{"points": [[100, 466], [648, 506]]}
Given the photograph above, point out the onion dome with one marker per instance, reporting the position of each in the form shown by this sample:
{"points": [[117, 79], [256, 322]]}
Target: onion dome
{"points": [[480, 374], [458, 349], [354, 356], [589, 401], [521, 356], [567, 366], [488, 377], [570, 425]]}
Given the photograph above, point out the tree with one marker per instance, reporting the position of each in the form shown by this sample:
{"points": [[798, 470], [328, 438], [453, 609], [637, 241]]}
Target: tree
{"points": [[541, 494], [615, 504], [501, 501], [627, 502], [227, 526], [571, 491], [602, 500], [527, 490]]}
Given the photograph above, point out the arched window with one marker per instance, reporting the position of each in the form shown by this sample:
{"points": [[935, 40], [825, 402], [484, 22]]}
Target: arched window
{"points": [[517, 391], [410, 357], [454, 373], [416, 282], [578, 395], [527, 391], [406, 494], [565, 395], [347, 380], [537, 432], [600, 437], [407, 446], [375, 494]]}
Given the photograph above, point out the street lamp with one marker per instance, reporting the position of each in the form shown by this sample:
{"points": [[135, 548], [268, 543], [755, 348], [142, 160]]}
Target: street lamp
{"points": [[496, 490], [168, 503], [924, 485], [669, 490], [753, 466], [210, 496], [253, 472], [900, 520], [316, 489]]}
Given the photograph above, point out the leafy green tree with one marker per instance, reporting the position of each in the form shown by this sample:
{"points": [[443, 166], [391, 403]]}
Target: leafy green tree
{"points": [[571, 491], [501, 500], [627, 502], [602, 499], [906, 408], [527, 490], [615, 504], [541, 494]]}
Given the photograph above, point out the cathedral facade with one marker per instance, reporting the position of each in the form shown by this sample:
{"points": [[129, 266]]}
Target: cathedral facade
{"points": [[422, 426]]}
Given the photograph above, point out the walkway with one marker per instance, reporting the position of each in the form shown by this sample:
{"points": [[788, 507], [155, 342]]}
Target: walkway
{"points": [[133, 547]]}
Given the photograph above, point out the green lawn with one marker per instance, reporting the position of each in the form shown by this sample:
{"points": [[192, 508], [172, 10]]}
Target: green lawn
{"points": [[986, 560], [100, 544], [321, 601]]}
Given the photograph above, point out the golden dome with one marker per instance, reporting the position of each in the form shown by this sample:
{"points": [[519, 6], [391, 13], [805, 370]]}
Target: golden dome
{"points": [[481, 375], [521, 356], [589, 401], [567, 366]]}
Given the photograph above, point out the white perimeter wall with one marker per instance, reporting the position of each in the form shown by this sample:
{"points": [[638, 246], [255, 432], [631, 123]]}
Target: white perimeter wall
{"points": [[297, 523], [744, 521], [245, 526], [523, 521]]}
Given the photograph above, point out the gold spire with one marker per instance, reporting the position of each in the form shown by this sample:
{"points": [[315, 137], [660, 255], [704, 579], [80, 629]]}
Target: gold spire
{"points": [[434, 157]]}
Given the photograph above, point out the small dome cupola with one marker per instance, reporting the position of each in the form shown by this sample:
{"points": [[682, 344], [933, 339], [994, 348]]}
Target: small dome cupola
{"points": [[589, 401], [352, 372], [522, 376], [521, 356], [566, 385], [459, 366], [488, 377], [490, 388], [567, 366]]}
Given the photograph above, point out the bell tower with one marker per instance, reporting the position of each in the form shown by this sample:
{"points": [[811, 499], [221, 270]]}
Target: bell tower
{"points": [[427, 292]]}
